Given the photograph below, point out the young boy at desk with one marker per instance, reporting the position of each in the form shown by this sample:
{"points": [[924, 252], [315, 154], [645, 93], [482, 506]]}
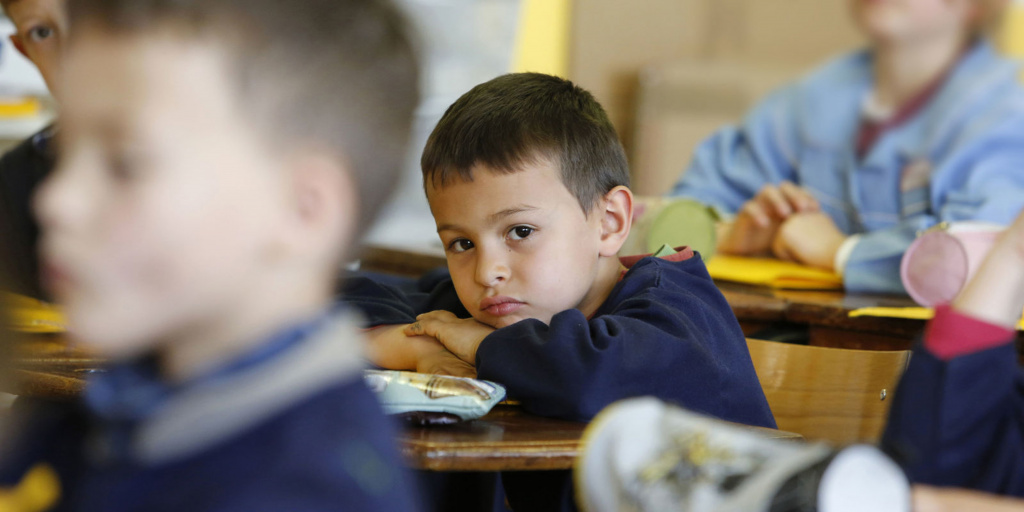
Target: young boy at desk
{"points": [[219, 160], [841, 169], [528, 185], [41, 27]]}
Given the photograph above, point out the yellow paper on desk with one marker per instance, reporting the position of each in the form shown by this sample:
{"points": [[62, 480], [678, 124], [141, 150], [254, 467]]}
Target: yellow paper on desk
{"points": [[912, 313], [773, 273], [29, 315]]}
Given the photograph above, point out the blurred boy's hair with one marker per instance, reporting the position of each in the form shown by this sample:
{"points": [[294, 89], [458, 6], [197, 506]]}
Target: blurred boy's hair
{"points": [[336, 75], [516, 119]]}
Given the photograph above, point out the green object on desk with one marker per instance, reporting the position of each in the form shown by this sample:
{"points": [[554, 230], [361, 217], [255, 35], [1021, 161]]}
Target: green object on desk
{"points": [[684, 222], [665, 250]]}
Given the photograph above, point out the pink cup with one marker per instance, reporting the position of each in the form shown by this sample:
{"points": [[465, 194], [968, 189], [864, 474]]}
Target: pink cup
{"points": [[938, 264]]}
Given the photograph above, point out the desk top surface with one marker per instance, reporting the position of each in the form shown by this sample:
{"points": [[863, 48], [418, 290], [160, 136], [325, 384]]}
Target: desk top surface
{"points": [[507, 439]]}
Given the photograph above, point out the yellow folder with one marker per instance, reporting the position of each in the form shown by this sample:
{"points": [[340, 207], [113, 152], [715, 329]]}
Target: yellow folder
{"points": [[29, 315], [913, 313], [773, 273]]}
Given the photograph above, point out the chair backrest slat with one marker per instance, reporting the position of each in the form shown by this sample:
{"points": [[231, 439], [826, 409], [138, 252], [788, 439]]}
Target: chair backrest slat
{"points": [[830, 394]]}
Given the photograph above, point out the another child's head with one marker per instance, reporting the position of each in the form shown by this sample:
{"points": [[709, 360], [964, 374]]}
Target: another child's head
{"points": [[913, 21], [528, 184], [41, 28], [218, 160]]}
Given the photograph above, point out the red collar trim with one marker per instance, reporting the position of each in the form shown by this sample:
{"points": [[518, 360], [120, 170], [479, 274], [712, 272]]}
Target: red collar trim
{"points": [[682, 254]]}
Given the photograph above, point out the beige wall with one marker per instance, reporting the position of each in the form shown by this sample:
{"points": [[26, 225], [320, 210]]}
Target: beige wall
{"points": [[720, 54]]}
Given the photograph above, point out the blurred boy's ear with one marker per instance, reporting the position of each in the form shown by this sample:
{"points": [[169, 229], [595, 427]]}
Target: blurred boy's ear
{"points": [[325, 206], [16, 41], [616, 210]]}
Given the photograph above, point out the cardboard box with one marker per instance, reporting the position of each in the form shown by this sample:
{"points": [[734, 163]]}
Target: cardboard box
{"points": [[613, 41], [681, 105]]}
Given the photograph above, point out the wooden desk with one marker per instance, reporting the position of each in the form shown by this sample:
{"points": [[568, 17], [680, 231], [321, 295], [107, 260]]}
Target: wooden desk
{"points": [[507, 439], [47, 366], [826, 314]]}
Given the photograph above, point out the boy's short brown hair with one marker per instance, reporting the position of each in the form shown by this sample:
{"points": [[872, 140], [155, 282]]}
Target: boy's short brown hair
{"points": [[519, 117], [337, 75]]}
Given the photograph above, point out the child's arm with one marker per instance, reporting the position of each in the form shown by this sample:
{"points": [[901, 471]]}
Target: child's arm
{"points": [[996, 292], [931, 499], [390, 348], [680, 343], [958, 416]]}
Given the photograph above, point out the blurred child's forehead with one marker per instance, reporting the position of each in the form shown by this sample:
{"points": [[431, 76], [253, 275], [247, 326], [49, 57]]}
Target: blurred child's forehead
{"points": [[142, 84]]}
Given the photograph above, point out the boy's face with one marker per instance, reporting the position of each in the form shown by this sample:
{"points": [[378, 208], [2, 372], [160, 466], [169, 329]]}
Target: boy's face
{"points": [[889, 21], [41, 29], [164, 204], [518, 245]]}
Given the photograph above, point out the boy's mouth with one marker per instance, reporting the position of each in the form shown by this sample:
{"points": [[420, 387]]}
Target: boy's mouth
{"points": [[500, 305]]}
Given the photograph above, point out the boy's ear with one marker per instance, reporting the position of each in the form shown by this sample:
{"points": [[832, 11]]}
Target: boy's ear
{"points": [[16, 41], [616, 219], [324, 205]]}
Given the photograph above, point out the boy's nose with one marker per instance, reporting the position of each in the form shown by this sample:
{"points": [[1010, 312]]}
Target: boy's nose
{"points": [[492, 268]]}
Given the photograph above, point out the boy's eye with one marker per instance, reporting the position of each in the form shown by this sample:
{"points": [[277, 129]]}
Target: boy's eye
{"points": [[520, 232], [460, 245], [40, 33]]}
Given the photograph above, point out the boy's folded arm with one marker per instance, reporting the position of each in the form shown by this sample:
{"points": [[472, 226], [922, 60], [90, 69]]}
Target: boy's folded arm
{"points": [[388, 347], [960, 422], [993, 193], [573, 368]]}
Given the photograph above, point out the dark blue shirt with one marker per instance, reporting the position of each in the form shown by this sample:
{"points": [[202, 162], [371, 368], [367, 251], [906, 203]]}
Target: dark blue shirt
{"points": [[960, 422], [289, 426]]}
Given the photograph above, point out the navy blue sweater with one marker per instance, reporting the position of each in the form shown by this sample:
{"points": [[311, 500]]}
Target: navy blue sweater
{"points": [[291, 427], [665, 330], [961, 422]]}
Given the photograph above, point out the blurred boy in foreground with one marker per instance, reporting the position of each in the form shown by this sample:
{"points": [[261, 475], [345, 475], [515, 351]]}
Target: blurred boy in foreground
{"points": [[219, 160]]}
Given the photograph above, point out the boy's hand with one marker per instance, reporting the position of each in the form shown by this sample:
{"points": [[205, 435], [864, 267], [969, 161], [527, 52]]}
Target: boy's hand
{"points": [[757, 222], [443, 362], [809, 238], [390, 348], [461, 336]]}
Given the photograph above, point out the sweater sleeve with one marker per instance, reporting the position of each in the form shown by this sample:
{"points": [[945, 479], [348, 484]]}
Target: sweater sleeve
{"points": [[674, 344], [961, 422], [391, 304]]}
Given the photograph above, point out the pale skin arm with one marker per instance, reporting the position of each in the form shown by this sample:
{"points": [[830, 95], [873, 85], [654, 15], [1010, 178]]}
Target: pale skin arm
{"points": [[809, 238], [996, 292], [755, 226], [931, 499], [389, 347]]}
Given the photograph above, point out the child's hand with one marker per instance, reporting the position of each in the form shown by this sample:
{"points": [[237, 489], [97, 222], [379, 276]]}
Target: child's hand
{"points": [[390, 348], [443, 362], [809, 238], [759, 219], [461, 336]]}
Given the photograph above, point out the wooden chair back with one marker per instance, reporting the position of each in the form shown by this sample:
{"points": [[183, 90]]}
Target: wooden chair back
{"points": [[828, 394]]}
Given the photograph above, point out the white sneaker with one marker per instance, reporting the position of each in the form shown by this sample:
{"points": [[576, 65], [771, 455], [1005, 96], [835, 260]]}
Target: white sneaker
{"points": [[643, 455]]}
